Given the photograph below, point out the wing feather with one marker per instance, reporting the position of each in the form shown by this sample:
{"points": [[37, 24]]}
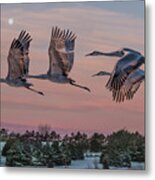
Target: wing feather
{"points": [[18, 59], [25, 39], [15, 61], [130, 86], [122, 69], [61, 51]]}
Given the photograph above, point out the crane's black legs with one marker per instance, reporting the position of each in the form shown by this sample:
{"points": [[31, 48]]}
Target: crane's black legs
{"points": [[39, 92], [79, 86]]}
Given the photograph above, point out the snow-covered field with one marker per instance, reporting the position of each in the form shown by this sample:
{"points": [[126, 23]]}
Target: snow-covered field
{"points": [[2, 158], [87, 163], [1, 145], [91, 161]]}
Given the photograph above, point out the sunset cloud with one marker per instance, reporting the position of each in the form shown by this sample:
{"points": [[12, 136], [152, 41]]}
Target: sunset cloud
{"points": [[65, 106]]}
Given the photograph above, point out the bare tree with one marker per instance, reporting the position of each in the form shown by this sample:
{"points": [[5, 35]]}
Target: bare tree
{"points": [[44, 129]]}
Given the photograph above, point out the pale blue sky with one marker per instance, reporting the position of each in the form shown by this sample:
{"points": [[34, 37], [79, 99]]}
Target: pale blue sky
{"points": [[132, 8]]}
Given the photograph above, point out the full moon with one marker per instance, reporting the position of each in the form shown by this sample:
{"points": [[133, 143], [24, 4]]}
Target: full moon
{"points": [[10, 21]]}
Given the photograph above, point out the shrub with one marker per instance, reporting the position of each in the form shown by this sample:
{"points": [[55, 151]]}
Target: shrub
{"points": [[8, 145]]}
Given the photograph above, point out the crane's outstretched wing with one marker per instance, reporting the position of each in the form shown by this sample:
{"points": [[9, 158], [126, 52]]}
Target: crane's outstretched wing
{"points": [[25, 39], [61, 51], [120, 96], [16, 61], [122, 69], [130, 86]]}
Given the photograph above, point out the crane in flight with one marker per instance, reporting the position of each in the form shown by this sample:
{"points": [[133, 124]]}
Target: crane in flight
{"points": [[125, 70], [130, 86], [61, 58], [18, 60]]}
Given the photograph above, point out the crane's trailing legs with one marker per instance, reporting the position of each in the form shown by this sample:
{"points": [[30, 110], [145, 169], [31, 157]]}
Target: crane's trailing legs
{"points": [[24, 84], [72, 82], [34, 90]]}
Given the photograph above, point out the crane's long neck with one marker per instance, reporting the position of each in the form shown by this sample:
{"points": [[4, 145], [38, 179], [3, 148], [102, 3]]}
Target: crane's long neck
{"points": [[105, 54], [102, 73], [107, 73], [111, 54]]}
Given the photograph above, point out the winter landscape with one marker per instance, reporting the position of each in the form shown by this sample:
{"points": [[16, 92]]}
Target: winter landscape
{"points": [[45, 148], [72, 85]]}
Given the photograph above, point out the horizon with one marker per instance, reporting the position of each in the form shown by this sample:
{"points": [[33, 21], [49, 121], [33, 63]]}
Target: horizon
{"points": [[62, 132]]}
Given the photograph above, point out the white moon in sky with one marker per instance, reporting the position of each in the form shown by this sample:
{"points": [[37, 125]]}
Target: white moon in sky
{"points": [[10, 21]]}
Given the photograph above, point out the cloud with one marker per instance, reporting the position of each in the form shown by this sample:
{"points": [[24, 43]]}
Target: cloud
{"points": [[64, 105]]}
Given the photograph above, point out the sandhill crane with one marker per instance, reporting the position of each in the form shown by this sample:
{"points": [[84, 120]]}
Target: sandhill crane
{"points": [[130, 86], [130, 61], [61, 58], [18, 61]]}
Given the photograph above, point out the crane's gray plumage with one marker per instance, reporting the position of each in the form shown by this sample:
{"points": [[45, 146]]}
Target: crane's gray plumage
{"points": [[130, 86], [17, 58], [124, 80], [130, 61], [25, 40], [127, 64], [61, 57], [61, 52]]}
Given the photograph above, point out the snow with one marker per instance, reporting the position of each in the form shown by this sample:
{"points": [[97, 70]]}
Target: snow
{"points": [[137, 165], [2, 158], [87, 163], [91, 161], [2, 144]]}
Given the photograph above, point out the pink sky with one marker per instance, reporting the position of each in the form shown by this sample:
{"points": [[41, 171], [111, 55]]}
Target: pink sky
{"points": [[63, 106]]}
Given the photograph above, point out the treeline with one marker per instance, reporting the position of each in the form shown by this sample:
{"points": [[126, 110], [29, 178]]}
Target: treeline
{"points": [[48, 148]]}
